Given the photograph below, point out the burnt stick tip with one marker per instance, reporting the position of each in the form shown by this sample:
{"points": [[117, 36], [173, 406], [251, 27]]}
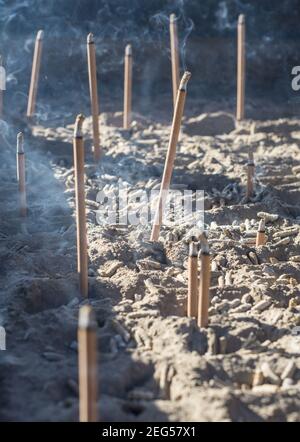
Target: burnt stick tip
{"points": [[78, 126], [40, 35], [90, 38], [241, 20], [184, 80], [87, 320], [20, 143], [173, 18], [262, 226], [128, 50], [204, 246], [193, 252]]}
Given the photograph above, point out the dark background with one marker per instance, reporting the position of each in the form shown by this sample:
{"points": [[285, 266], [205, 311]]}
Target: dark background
{"points": [[207, 30]]}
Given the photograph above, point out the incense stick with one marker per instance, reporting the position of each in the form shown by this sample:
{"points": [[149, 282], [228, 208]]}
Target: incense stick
{"points": [[92, 68], [241, 63], [169, 163], [174, 56], [192, 303], [250, 174], [82, 260], [204, 284], [35, 73], [127, 87], [87, 360], [2, 85], [261, 238], [21, 174]]}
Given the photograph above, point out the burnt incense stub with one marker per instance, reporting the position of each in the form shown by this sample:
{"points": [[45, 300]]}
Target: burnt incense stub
{"points": [[78, 126], [128, 51], [20, 143], [193, 249], [87, 320], [241, 20], [90, 39], [262, 226], [40, 35], [184, 81]]}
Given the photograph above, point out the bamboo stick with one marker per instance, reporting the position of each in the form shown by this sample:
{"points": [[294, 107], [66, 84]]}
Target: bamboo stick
{"points": [[170, 158], [174, 56], [192, 304], [21, 178], [261, 237], [87, 361], [36, 64], [204, 285], [250, 175], [82, 259], [241, 63], [127, 87], [92, 68]]}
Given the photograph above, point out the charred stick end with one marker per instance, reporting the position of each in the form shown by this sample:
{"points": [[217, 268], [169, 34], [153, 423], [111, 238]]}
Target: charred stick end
{"points": [[193, 252], [241, 20], [173, 19], [204, 246], [40, 35], [20, 143], [184, 81], [128, 51], [78, 126], [262, 226], [87, 320], [90, 39]]}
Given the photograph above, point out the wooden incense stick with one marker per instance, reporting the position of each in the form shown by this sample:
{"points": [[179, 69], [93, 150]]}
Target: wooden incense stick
{"points": [[169, 163], [87, 360], [204, 285], [92, 68], [241, 63], [261, 237], [127, 87], [35, 73], [174, 56], [192, 302], [250, 175], [82, 259], [21, 174], [2, 85]]}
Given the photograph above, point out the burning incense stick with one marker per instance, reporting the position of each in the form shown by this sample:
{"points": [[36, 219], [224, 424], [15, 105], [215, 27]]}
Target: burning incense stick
{"points": [[250, 175], [87, 359], [82, 260], [2, 86], [35, 73], [21, 174], [174, 56], [192, 304], [127, 87], [92, 67], [261, 238], [204, 285], [169, 163], [241, 62]]}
